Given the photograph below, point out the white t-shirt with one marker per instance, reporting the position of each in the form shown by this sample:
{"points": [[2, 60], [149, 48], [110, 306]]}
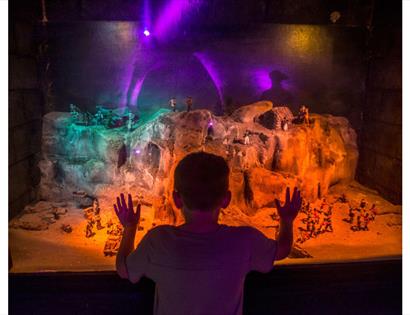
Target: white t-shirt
{"points": [[200, 273]]}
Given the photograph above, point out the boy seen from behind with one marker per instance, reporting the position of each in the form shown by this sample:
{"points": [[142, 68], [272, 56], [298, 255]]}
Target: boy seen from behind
{"points": [[200, 266]]}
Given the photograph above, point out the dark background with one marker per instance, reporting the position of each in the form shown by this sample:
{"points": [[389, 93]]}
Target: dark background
{"points": [[220, 52]]}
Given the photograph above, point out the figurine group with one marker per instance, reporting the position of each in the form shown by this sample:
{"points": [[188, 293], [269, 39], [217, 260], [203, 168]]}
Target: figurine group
{"points": [[318, 221], [114, 232], [359, 218], [103, 117], [92, 214], [303, 116], [188, 102]]}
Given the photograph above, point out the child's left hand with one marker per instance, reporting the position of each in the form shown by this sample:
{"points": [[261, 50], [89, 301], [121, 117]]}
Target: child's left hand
{"points": [[126, 214]]}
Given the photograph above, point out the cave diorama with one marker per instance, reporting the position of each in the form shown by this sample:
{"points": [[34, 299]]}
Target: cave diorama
{"points": [[286, 99], [88, 160]]}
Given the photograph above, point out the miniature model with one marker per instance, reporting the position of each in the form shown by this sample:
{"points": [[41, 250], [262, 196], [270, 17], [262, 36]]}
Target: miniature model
{"points": [[342, 199], [66, 228], [99, 116], [111, 246], [173, 104], [189, 104], [303, 115], [98, 221], [246, 140], [130, 120], [75, 113], [89, 229], [285, 124], [88, 213]]}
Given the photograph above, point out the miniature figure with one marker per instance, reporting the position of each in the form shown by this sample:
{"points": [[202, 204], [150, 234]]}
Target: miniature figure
{"points": [[99, 116], [285, 124], [342, 199], [363, 203], [303, 115], [111, 246], [130, 120], [372, 211], [173, 104], [88, 213], [89, 229], [189, 104], [75, 113], [98, 221], [66, 228], [246, 137]]}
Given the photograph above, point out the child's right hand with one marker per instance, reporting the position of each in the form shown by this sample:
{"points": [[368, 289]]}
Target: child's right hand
{"points": [[290, 209], [126, 214]]}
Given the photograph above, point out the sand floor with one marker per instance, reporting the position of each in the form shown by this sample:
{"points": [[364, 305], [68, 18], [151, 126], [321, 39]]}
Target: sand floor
{"points": [[55, 250]]}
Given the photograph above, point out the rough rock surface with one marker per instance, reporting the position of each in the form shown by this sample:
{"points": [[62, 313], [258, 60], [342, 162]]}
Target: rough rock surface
{"points": [[85, 158]]}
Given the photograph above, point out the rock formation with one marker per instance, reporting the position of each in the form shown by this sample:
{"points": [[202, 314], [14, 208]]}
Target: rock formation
{"points": [[98, 160]]}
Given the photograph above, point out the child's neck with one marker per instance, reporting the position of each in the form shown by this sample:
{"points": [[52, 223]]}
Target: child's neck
{"points": [[200, 221]]}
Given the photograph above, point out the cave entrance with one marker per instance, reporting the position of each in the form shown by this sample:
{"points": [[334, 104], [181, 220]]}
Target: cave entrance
{"points": [[152, 157]]}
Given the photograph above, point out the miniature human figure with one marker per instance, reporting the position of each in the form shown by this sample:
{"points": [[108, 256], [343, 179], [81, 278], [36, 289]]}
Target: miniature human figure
{"points": [[130, 120], [247, 141], [285, 124], [362, 204], [99, 116], [110, 227], [342, 199], [189, 104], [372, 211], [88, 118], [303, 115], [173, 104], [89, 229], [97, 217], [328, 224], [66, 228], [75, 113], [201, 189], [351, 215], [366, 219], [98, 221]]}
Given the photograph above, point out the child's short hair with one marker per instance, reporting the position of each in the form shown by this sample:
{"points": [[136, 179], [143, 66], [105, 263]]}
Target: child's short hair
{"points": [[202, 180]]}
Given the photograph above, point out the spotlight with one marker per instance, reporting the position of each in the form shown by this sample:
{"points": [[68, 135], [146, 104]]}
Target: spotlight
{"points": [[147, 33], [138, 151]]}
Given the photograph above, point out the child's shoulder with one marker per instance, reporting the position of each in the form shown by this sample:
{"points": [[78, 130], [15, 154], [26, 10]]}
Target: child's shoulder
{"points": [[161, 229]]}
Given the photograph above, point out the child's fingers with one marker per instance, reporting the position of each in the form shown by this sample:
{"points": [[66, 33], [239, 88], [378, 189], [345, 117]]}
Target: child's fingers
{"points": [[277, 203], [124, 204], [287, 195], [116, 210], [130, 205]]}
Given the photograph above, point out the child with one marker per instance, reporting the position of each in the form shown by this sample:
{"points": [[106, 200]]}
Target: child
{"points": [[200, 266]]}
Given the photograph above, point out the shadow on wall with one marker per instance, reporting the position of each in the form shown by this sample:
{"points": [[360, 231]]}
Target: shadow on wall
{"points": [[277, 94], [178, 76]]}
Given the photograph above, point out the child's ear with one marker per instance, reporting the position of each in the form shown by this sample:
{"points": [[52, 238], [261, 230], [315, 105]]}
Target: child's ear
{"points": [[177, 199], [227, 199]]}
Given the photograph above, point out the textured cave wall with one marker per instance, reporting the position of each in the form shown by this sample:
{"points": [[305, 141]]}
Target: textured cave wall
{"points": [[26, 106], [380, 163]]}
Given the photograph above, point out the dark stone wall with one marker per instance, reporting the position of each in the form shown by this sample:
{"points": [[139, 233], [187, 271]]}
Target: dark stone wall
{"points": [[26, 107], [380, 163]]}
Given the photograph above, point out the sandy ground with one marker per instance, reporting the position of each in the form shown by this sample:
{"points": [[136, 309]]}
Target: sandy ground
{"points": [[55, 250]]}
